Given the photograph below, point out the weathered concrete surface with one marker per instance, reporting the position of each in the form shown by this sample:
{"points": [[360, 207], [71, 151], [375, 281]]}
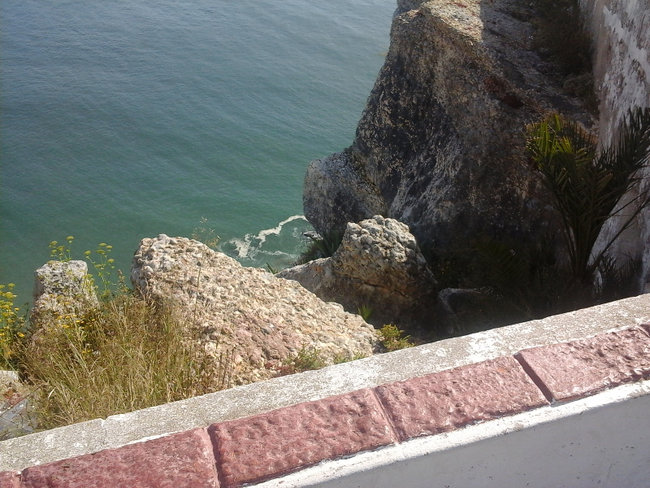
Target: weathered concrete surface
{"points": [[118, 430], [379, 266], [440, 145], [496, 401], [621, 33]]}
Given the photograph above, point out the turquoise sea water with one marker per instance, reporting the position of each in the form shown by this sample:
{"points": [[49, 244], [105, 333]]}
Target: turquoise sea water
{"points": [[121, 120]]}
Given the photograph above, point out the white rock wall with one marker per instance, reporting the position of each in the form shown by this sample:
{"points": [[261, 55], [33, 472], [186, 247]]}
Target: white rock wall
{"points": [[621, 30]]}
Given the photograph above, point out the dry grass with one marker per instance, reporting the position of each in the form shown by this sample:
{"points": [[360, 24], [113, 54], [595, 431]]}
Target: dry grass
{"points": [[130, 354]]}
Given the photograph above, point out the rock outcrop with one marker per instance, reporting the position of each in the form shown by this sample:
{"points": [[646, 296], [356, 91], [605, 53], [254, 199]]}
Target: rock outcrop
{"points": [[246, 313], [379, 267], [440, 145], [62, 289]]}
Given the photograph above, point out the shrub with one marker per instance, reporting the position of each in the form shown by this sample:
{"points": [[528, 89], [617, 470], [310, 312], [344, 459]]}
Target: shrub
{"points": [[127, 354], [321, 246], [587, 185], [392, 338]]}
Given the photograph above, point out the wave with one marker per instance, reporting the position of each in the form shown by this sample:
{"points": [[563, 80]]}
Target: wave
{"points": [[280, 244]]}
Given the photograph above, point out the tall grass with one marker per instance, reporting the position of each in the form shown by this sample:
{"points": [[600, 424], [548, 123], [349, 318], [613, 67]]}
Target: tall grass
{"points": [[129, 354]]}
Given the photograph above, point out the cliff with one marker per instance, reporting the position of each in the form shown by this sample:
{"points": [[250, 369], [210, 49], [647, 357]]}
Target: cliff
{"points": [[440, 145]]}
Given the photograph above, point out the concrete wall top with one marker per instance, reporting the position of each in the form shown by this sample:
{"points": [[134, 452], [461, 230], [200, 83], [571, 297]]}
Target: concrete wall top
{"points": [[499, 372]]}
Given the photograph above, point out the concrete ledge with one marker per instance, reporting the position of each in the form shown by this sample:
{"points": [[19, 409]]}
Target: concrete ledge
{"points": [[200, 412], [596, 441]]}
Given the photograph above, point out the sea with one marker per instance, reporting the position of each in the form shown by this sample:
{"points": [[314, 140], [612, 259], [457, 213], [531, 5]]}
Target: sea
{"points": [[121, 120]]}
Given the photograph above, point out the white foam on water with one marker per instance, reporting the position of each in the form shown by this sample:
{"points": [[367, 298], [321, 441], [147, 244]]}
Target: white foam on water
{"points": [[251, 244]]}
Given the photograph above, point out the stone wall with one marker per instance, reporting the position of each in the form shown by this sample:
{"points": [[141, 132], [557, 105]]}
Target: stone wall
{"points": [[621, 32]]}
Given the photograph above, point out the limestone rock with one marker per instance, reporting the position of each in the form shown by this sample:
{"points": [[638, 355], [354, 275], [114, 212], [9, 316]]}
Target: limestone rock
{"points": [[16, 417], [246, 313], [62, 288], [440, 145], [379, 266]]}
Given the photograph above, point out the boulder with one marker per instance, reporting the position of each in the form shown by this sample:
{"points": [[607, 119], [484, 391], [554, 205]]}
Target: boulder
{"points": [[377, 267], [247, 314], [62, 289], [440, 145]]}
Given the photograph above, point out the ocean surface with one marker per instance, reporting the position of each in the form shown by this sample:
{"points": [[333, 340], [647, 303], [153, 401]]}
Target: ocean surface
{"points": [[122, 120]]}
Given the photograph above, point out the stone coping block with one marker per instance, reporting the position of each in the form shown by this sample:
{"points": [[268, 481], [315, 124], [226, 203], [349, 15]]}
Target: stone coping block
{"points": [[451, 399], [584, 367], [269, 445], [235, 451], [182, 460], [10, 479]]}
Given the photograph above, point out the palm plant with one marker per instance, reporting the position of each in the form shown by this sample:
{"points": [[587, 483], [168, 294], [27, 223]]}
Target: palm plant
{"points": [[587, 185]]}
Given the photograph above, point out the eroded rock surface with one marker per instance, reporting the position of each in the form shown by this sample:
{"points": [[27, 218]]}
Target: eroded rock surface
{"points": [[378, 266], [246, 313], [440, 145], [62, 289]]}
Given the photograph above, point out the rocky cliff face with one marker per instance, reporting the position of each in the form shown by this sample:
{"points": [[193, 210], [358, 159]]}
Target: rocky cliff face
{"points": [[379, 267], [440, 144], [246, 314]]}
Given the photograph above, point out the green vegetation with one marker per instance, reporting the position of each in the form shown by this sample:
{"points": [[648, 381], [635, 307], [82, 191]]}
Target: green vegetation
{"points": [[392, 338], [520, 280], [129, 353], [365, 312], [310, 358], [13, 327], [306, 359], [321, 246], [587, 185]]}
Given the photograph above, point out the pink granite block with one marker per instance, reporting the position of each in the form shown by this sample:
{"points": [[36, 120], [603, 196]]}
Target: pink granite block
{"points": [[10, 479], [175, 461], [584, 367], [447, 400], [273, 444]]}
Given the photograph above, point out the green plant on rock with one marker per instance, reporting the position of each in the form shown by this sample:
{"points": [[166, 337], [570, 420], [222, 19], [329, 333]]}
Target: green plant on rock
{"points": [[306, 359], [365, 311], [105, 281], [61, 252], [13, 327], [587, 185], [392, 338], [321, 246]]}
